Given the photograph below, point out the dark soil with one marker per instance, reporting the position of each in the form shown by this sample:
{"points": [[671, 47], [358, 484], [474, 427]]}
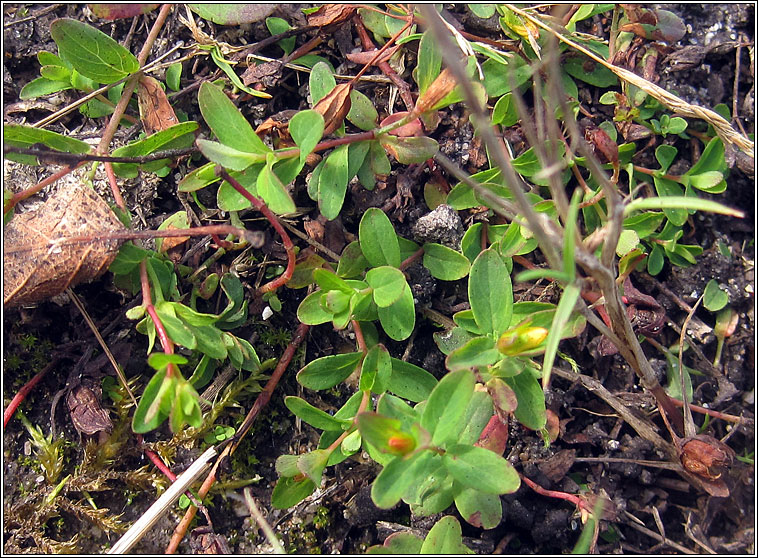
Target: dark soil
{"points": [[340, 516]]}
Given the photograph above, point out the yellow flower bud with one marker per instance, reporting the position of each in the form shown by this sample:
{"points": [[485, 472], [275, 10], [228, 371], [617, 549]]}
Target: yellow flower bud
{"points": [[521, 339]]}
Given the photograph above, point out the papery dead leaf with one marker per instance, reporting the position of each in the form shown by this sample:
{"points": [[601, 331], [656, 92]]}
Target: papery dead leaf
{"points": [[154, 109], [38, 263], [329, 14], [438, 90], [267, 74], [334, 107], [277, 126], [85, 405]]}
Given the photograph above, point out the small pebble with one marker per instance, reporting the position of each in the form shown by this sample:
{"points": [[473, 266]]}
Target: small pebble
{"points": [[267, 313]]}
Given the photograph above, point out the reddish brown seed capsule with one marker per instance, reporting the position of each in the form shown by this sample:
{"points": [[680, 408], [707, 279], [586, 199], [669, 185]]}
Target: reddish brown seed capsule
{"points": [[706, 456]]}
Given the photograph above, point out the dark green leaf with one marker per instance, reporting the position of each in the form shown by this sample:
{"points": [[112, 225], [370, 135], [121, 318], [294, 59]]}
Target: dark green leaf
{"points": [[375, 370], [481, 469], [328, 371], [312, 464], [589, 71], [505, 112], [352, 262], [175, 137], [321, 81], [42, 86], [25, 137], [399, 319], [289, 492], [362, 112], [445, 263], [714, 299], [378, 239], [480, 351], [447, 405], [332, 182], [155, 403], [490, 292], [531, 400], [409, 381], [429, 61], [93, 53], [666, 188], [226, 121], [174, 76], [396, 477]]}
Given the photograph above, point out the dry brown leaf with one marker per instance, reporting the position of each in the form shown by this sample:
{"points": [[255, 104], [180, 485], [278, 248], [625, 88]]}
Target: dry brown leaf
{"points": [[329, 14], [440, 87], [154, 109], [38, 263], [334, 107], [268, 74], [173, 241]]}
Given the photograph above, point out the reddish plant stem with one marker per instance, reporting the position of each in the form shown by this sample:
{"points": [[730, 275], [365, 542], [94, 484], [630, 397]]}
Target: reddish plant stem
{"points": [[21, 196], [166, 343], [651, 172], [359, 336], [25, 390], [263, 208], [412, 258], [260, 402], [329, 144], [573, 498], [384, 66], [710, 412], [365, 399], [114, 187], [131, 85]]}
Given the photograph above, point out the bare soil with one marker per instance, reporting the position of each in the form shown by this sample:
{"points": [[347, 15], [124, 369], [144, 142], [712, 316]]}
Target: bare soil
{"points": [[340, 517]]}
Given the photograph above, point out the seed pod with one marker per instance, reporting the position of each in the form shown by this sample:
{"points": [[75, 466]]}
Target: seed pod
{"points": [[706, 456]]}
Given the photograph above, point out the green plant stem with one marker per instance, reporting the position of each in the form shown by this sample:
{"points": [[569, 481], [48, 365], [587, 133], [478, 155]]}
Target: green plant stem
{"points": [[263, 208]]}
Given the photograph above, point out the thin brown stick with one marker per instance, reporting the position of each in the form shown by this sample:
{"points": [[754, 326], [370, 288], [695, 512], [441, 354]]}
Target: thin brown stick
{"points": [[260, 402], [131, 84], [63, 157]]}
